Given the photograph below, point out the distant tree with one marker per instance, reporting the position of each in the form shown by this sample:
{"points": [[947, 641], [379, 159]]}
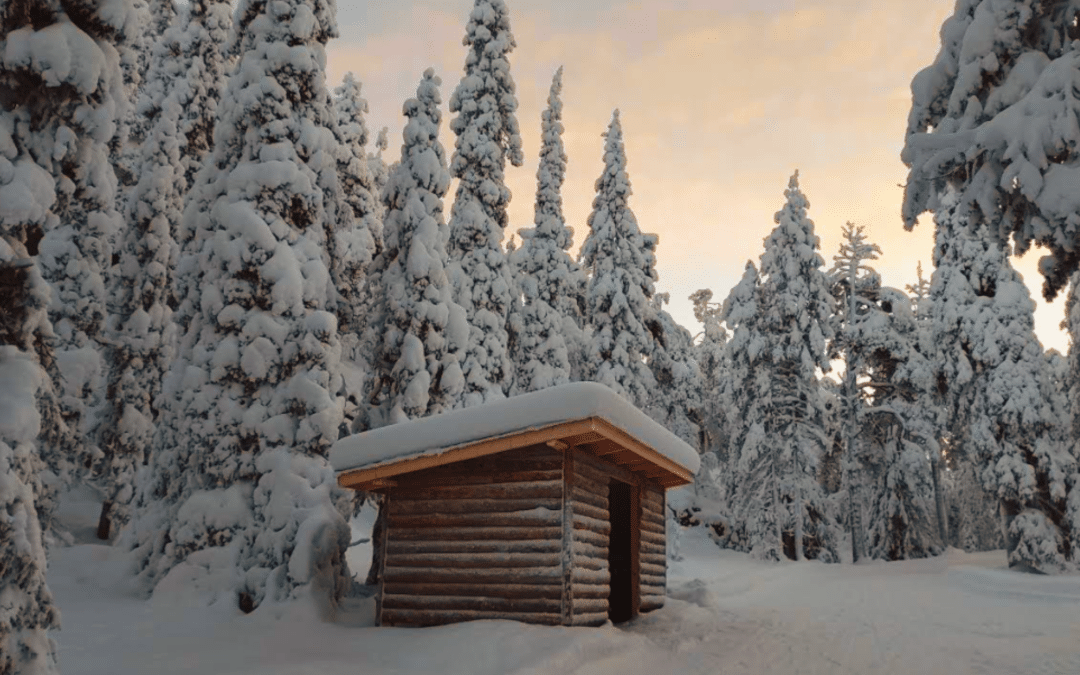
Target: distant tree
{"points": [[258, 372], [715, 366], [677, 402], [548, 351], [621, 262], [487, 136], [417, 370]]}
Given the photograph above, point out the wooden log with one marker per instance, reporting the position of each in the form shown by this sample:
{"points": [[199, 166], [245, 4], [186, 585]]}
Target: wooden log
{"points": [[653, 527], [651, 603], [434, 617], [590, 497], [518, 590], [597, 619], [474, 560], [589, 550], [652, 547], [658, 584], [467, 546], [566, 607], [594, 577], [589, 537], [534, 517], [653, 537], [653, 497], [406, 507], [635, 547], [591, 511], [506, 575], [584, 590], [418, 482], [590, 605], [460, 602], [649, 568], [520, 533], [587, 563], [597, 486], [525, 490], [653, 518], [583, 522]]}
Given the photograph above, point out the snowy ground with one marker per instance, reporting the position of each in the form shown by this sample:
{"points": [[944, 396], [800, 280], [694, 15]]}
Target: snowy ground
{"points": [[955, 614]]}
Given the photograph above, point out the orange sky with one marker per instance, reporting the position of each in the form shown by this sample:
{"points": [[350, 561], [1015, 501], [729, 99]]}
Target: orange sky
{"points": [[721, 100]]}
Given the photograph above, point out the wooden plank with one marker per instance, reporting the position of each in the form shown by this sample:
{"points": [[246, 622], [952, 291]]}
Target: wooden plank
{"points": [[466, 479], [464, 506], [506, 575], [504, 463], [651, 603], [635, 548], [535, 518], [465, 602], [489, 446], [566, 608], [517, 533], [475, 560], [432, 617], [516, 490], [596, 499], [518, 590], [655, 458]]}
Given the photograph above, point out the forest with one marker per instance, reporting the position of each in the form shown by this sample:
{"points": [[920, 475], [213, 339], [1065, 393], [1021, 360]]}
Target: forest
{"points": [[212, 270]]}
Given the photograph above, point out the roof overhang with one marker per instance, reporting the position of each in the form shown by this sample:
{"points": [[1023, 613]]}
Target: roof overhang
{"points": [[592, 434]]}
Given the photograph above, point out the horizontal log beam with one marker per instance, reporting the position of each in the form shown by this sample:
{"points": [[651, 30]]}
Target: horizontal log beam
{"points": [[596, 619], [536, 518], [479, 533], [494, 604], [459, 546], [470, 506], [430, 617], [513, 490], [414, 482], [518, 590], [473, 560], [513, 575]]}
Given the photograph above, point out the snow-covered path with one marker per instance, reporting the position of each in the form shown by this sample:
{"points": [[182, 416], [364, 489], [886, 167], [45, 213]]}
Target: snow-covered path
{"points": [[956, 614]]}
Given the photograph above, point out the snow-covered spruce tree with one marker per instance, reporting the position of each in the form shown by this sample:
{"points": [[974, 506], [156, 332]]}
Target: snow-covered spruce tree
{"points": [[380, 172], [1071, 385], [1004, 417], [748, 481], [622, 266], [74, 118], [421, 332], [363, 240], [711, 356], [487, 136], [187, 71], [991, 117], [854, 285], [134, 57], [549, 350], [787, 436], [27, 400], [244, 484], [677, 401]]}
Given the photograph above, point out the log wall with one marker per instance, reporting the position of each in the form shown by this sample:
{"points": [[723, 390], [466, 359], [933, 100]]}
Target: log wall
{"points": [[478, 539], [653, 549]]}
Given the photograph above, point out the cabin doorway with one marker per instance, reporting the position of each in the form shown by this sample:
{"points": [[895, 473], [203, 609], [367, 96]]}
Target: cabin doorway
{"points": [[620, 552]]}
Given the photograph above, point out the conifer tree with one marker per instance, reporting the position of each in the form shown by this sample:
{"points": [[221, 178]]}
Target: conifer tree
{"points": [[990, 119], [258, 372], [677, 401], [785, 431], [621, 262], [487, 136], [417, 370], [552, 283], [715, 366]]}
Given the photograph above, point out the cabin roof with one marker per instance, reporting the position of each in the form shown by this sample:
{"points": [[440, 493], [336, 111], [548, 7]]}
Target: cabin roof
{"points": [[581, 414]]}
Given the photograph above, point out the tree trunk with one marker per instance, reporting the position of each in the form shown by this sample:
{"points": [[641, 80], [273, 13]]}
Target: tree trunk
{"points": [[939, 501], [104, 525], [378, 543]]}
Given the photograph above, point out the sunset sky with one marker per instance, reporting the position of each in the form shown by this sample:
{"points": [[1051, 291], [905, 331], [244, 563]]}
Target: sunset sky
{"points": [[721, 101]]}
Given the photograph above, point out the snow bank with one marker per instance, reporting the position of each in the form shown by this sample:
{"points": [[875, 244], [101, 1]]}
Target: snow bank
{"points": [[536, 410]]}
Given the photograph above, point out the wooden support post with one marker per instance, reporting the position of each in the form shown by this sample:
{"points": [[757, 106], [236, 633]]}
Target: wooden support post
{"points": [[380, 550], [635, 548], [568, 538]]}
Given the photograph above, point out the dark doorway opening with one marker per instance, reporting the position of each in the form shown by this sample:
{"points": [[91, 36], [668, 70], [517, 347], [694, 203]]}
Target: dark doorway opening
{"points": [[620, 553]]}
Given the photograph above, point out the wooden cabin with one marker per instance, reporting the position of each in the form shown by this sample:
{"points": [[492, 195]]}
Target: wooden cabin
{"points": [[544, 508]]}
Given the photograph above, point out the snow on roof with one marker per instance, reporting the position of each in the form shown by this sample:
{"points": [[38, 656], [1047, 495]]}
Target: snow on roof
{"points": [[536, 410]]}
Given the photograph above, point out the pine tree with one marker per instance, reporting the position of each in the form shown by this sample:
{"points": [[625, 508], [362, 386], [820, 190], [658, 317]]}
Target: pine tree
{"points": [[677, 402], [715, 366], [991, 118], [1071, 386], [487, 136], [552, 283], [258, 368], [417, 369], [621, 262]]}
